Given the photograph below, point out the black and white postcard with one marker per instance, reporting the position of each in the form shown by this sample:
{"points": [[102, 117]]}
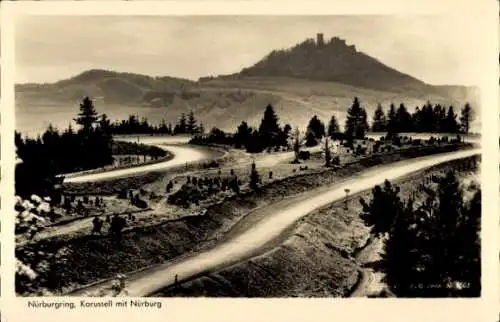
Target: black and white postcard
{"points": [[333, 154]]}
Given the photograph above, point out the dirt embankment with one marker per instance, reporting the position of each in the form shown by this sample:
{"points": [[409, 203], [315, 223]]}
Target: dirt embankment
{"points": [[324, 255], [73, 262]]}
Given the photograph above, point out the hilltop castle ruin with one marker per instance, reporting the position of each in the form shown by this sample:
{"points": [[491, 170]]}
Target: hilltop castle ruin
{"points": [[320, 40], [334, 42]]}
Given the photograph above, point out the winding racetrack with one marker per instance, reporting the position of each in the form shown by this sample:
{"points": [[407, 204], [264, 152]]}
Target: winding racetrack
{"points": [[178, 146], [277, 217], [183, 153]]}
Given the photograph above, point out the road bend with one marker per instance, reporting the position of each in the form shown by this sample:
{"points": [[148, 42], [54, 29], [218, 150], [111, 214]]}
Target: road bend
{"points": [[247, 243], [182, 152]]}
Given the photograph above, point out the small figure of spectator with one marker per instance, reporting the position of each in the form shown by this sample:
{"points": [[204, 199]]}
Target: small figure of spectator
{"points": [[176, 281], [97, 222], [170, 185], [119, 285], [116, 227], [79, 206]]}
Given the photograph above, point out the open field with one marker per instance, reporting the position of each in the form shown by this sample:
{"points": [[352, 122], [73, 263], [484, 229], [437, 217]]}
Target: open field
{"points": [[151, 186], [217, 101], [89, 258], [326, 254]]}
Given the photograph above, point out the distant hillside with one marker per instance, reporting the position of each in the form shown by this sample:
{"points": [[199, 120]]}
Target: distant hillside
{"points": [[313, 77], [111, 87], [336, 61]]}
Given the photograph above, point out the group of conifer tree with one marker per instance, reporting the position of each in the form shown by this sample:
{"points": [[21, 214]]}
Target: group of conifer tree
{"points": [[429, 118], [52, 153], [432, 249], [132, 125], [269, 134]]}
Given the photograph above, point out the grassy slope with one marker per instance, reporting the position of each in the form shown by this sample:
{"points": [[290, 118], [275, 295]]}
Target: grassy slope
{"points": [[90, 258], [225, 103], [317, 259]]}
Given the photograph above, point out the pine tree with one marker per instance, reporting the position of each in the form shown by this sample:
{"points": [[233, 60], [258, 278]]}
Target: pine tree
{"points": [[104, 141], [87, 116], [242, 135], [285, 135], [426, 119], [191, 127], [254, 177], [442, 119], [311, 139], [296, 145], [182, 126], [379, 121], [269, 128], [105, 124], [333, 127], [163, 127], [356, 122], [437, 246], [316, 128], [403, 120], [255, 143], [144, 127], [383, 209], [361, 130], [451, 124], [448, 215], [202, 128], [400, 262], [466, 118], [392, 126], [469, 267], [328, 154]]}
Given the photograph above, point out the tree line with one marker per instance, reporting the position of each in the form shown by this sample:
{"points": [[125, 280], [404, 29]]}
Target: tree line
{"points": [[270, 135], [432, 249], [429, 118], [185, 125], [89, 147], [52, 153]]}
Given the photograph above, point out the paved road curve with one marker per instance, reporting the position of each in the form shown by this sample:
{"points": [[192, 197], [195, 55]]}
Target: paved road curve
{"points": [[247, 243], [186, 154], [182, 154]]}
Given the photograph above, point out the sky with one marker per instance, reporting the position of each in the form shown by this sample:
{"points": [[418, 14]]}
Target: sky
{"points": [[435, 49]]}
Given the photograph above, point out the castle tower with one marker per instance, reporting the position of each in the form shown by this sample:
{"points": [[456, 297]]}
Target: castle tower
{"points": [[319, 39]]}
